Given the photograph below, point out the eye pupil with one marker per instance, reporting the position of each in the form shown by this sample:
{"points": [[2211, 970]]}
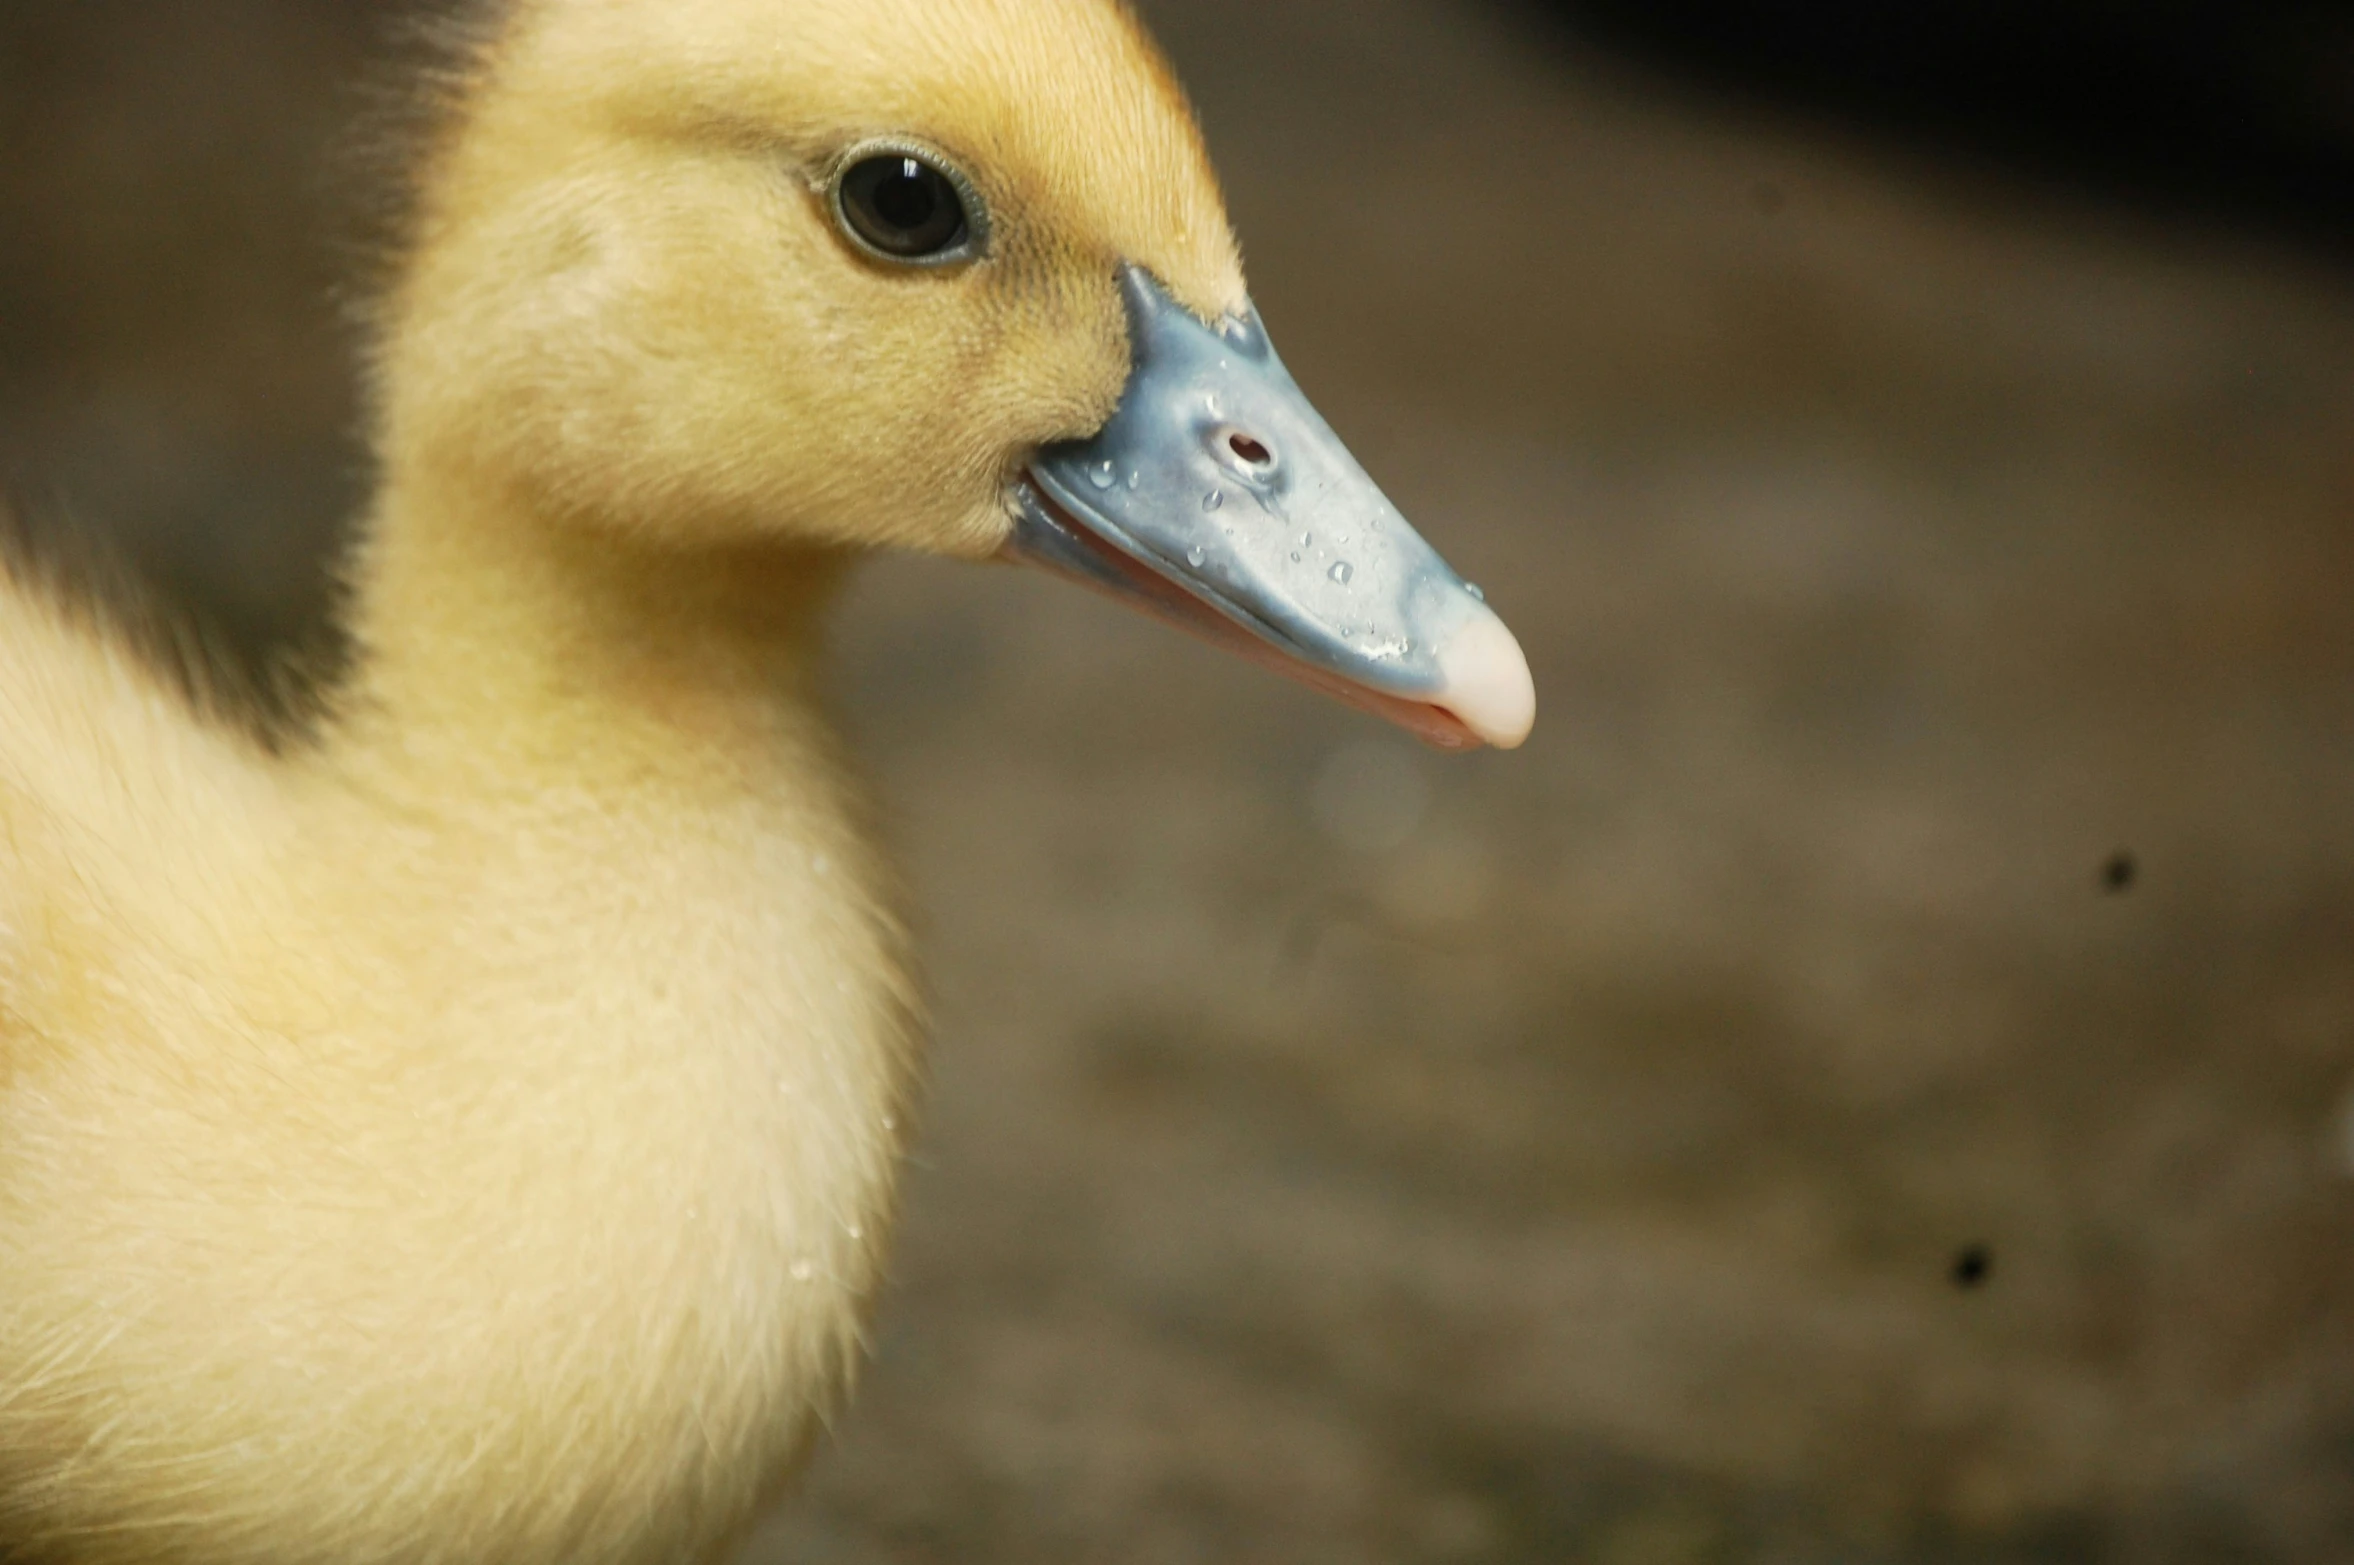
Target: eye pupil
{"points": [[907, 201], [903, 207]]}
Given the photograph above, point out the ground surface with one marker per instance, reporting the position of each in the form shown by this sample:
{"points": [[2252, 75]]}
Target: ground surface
{"points": [[1868, 1083]]}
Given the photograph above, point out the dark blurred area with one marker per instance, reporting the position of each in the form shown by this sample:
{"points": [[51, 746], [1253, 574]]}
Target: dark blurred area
{"points": [[1872, 1083], [175, 215], [2233, 109]]}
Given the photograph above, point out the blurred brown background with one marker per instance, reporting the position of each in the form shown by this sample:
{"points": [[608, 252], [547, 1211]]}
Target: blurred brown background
{"points": [[1872, 1082]]}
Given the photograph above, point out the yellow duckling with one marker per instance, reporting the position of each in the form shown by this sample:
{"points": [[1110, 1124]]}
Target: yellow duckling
{"points": [[464, 1130]]}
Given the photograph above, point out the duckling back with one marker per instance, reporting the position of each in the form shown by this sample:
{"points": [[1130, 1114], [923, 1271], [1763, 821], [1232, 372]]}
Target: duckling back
{"points": [[113, 787]]}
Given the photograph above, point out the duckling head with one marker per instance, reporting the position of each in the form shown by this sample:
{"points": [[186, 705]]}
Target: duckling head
{"points": [[949, 275]]}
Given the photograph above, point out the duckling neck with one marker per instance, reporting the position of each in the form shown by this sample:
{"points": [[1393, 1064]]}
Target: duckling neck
{"points": [[503, 650], [613, 760]]}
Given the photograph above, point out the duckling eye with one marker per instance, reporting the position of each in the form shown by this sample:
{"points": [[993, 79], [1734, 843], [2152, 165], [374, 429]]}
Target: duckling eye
{"points": [[903, 207]]}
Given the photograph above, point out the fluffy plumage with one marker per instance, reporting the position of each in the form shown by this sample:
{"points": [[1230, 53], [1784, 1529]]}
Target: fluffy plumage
{"points": [[464, 1132]]}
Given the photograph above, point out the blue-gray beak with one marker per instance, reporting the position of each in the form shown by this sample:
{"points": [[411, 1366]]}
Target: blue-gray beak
{"points": [[1218, 498]]}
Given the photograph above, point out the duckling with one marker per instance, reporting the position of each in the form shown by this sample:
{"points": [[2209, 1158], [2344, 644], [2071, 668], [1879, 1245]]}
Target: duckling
{"points": [[464, 1129]]}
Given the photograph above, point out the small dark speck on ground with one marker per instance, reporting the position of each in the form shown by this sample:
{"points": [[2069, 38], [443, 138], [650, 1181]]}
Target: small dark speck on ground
{"points": [[2119, 873], [1973, 1266]]}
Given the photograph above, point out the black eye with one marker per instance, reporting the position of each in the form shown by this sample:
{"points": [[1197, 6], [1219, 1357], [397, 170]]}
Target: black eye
{"points": [[903, 207]]}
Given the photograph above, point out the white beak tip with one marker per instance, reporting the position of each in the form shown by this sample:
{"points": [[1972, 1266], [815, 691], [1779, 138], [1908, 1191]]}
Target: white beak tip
{"points": [[1488, 686]]}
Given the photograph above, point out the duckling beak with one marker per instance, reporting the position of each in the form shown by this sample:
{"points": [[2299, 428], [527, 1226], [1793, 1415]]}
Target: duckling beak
{"points": [[1217, 498]]}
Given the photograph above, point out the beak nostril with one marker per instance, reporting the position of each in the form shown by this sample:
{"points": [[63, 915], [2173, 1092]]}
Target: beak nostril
{"points": [[1250, 450]]}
